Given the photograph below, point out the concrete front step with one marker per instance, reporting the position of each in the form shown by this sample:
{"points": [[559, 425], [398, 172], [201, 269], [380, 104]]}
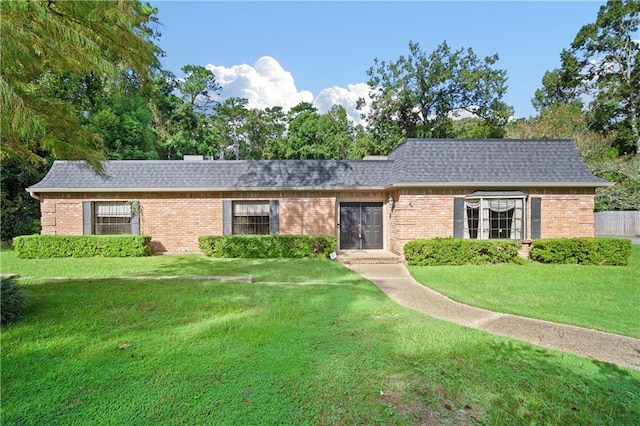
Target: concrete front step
{"points": [[381, 261], [368, 257]]}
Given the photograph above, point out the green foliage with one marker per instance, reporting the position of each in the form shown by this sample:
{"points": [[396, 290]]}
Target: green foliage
{"points": [[311, 135], [582, 251], [198, 87], [125, 123], [230, 121], [11, 300], [561, 121], [455, 251], [267, 246], [19, 212], [42, 41], [625, 173], [602, 64], [47, 246], [416, 95], [475, 128]]}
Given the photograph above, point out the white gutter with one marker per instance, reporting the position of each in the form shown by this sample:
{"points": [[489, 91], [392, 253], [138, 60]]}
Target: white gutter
{"points": [[415, 185], [32, 194], [214, 189], [499, 185]]}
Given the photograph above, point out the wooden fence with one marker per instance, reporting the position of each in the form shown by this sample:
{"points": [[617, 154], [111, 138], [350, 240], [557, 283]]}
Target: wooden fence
{"points": [[620, 224]]}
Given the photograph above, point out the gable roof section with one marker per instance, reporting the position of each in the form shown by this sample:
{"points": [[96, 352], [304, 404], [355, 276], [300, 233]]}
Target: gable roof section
{"points": [[490, 162], [178, 175], [493, 163]]}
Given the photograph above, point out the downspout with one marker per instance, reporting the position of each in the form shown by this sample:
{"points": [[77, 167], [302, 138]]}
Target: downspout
{"points": [[32, 194]]}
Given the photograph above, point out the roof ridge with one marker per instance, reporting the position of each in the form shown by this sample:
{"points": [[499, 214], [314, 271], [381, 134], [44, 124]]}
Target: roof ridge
{"points": [[415, 163]]}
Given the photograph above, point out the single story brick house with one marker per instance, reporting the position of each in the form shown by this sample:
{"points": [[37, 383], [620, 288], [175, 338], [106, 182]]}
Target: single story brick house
{"points": [[425, 188]]}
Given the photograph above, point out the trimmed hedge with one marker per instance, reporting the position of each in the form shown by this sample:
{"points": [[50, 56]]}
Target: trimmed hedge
{"points": [[267, 246], [582, 251], [455, 251], [11, 300], [47, 246]]}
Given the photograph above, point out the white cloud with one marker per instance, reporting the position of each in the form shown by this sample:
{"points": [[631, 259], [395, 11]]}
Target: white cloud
{"points": [[348, 98], [265, 84]]}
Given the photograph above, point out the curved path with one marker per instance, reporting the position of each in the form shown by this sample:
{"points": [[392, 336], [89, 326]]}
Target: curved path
{"points": [[399, 285]]}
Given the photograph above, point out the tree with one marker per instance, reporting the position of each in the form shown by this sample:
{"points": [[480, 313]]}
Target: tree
{"points": [[230, 120], [625, 193], [19, 213], [125, 124], [336, 133], [44, 40], [602, 67], [311, 135], [182, 113], [559, 86], [264, 128], [418, 95], [475, 128], [564, 121], [568, 121], [197, 88]]}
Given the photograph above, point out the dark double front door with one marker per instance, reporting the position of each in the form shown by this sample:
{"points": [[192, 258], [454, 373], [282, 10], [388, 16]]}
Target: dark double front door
{"points": [[360, 226]]}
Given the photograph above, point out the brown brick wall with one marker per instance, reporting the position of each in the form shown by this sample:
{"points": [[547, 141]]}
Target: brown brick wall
{"points": [[61, 216], [313, 215], [566, 213], [429, 214], [176, 220], [421, 214]]}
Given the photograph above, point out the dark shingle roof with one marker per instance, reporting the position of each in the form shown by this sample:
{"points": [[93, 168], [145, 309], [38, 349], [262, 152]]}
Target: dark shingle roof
{"points": [[489, 161], [211, 175], [427, 162]]}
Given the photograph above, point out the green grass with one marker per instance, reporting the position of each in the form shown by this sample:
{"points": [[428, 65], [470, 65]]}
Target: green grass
{"points": [[194, 264], [206, 352], [605, 298]]}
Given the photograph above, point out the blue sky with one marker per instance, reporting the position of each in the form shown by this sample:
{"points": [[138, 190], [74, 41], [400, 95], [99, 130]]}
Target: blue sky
{"points": [[320, 51]]}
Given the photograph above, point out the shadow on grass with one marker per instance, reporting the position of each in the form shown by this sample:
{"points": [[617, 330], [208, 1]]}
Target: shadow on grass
{"points": [[504, 381], [208, 352], [272, 270]]}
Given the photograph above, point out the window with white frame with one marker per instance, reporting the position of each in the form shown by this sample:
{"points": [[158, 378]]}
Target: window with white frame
{"points": [[494, 215], [112, 217], [251, 217]]}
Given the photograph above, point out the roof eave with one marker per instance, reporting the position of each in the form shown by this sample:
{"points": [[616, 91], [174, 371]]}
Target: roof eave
{"points": [[35, 190], [210, 189], [500, 185]]}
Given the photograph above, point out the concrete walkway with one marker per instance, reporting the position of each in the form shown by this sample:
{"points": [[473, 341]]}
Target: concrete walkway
{"points": [[399, 285]]}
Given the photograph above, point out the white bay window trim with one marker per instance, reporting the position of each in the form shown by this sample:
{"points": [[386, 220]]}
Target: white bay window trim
{"points": [[494, 216]]}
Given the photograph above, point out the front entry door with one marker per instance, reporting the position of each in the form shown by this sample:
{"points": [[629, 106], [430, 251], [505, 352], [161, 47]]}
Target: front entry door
{"points": [[360, 226]]}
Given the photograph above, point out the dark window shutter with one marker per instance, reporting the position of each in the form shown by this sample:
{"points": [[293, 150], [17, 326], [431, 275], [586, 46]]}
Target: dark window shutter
{"points": [[87, 218], [227, 218], [536, 224], [274, 217], [135, 217], [458, 217]]}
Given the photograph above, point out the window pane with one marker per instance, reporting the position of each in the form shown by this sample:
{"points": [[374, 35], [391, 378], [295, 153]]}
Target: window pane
{"points": [[251, 217], [473, 217], [500, 224], [112, 218], [495, 218], [113, 210]]}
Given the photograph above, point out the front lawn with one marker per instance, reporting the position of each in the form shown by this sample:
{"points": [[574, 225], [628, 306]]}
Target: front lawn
{"points": [[192, 264], [127, 351], [605, 298]]}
